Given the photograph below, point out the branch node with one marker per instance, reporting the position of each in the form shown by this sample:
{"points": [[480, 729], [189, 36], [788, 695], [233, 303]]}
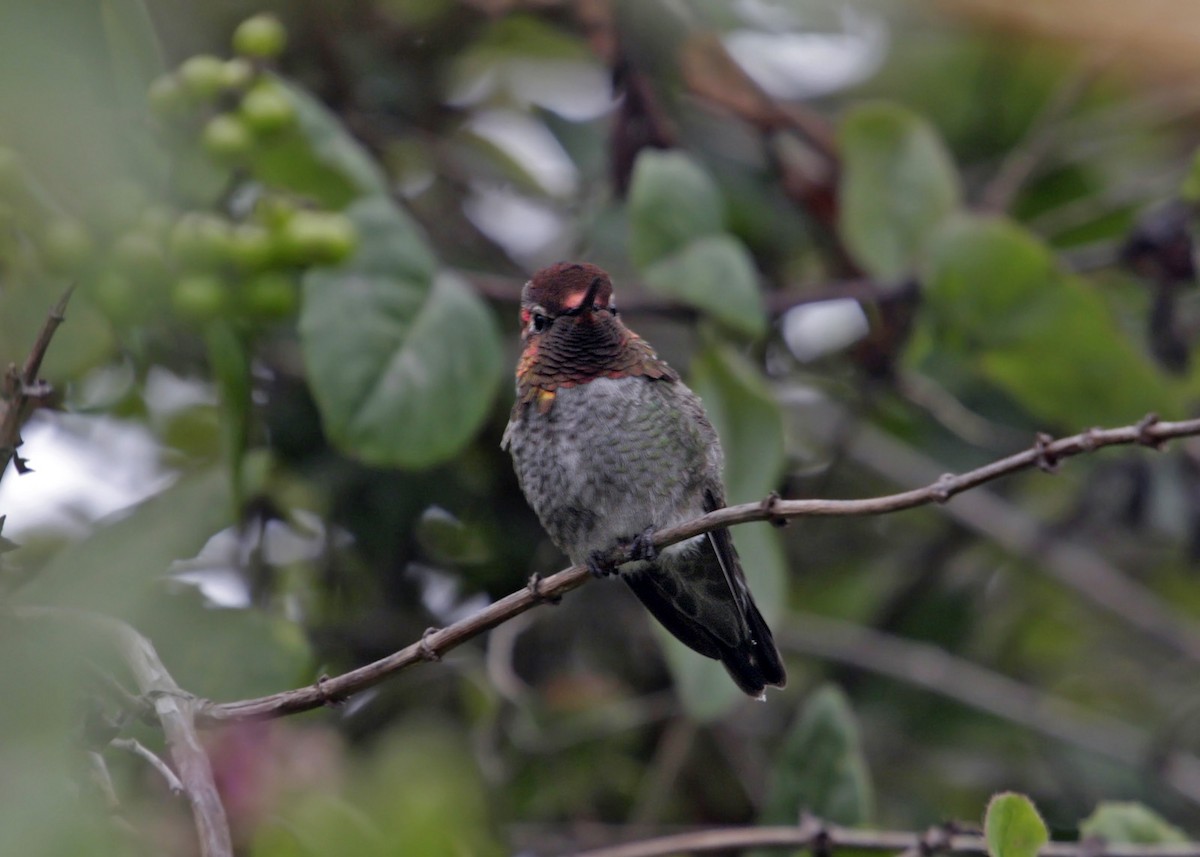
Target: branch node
{"points": [[769, 505], [943, 489], [1090, 439], [428, 653], [329, 698], [1047, 459], [1145, 435], [535, 589]]}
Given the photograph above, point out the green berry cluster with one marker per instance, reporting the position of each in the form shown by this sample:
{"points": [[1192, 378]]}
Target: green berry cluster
{"points": [[145, 253]]}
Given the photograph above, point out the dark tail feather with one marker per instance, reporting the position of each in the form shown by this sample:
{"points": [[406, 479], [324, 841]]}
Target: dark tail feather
{"points": [[753, 663]]}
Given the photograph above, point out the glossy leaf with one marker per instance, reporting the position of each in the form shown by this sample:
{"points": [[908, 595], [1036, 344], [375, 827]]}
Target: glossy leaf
{"points": [[985, 275], [1012, 827], [1074, 366], [714, 274], [747, 419], [318, 158], [897, 185], [1130, 822], [821, 768], [672, 202], [404, 366]]}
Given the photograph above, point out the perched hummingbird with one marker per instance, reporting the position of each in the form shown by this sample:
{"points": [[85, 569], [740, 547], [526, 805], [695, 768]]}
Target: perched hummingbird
{"points": [[609, 446]]}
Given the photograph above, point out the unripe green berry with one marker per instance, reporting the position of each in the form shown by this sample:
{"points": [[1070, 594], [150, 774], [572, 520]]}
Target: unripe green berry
{"points": [[238, 73], [252, 247], [117, 296], [274, 211], [266, 109], [202, 76], [226, 138], [319, 237], [270, 295], [167, 96], [200, 240], [200, 297], [66, 245], [139, 257], [260, 37]]}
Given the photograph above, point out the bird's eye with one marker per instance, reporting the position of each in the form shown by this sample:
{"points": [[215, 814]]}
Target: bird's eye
{"points": [[540, 322]]}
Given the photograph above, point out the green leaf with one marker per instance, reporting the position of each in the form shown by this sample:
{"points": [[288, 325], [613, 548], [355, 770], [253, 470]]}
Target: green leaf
{"points": [[1129, 822], [821, 768], [672, 202], [403, 366], [1012, 827], [747, 419], [898, 182], [230, 365], [1074, 366], [985, 276], [319, 158], [121, 564], [714, 274]]}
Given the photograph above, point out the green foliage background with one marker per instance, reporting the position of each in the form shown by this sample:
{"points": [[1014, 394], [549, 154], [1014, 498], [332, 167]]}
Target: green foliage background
{"points": [[314, 266]]}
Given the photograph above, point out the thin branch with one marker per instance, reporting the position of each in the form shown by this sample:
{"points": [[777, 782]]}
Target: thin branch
{"points": [[175, 709], [929, 667], [136, 747], [21, 389], [1045, 453], [811, 833]]}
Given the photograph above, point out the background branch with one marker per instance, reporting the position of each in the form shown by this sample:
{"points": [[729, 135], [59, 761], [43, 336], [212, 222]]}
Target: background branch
{"points": [[21, 389], [1045, 453], [174, 708]]}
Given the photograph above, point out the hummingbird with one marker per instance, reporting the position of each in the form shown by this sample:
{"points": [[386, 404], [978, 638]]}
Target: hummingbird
{"points": [[609, 445]]}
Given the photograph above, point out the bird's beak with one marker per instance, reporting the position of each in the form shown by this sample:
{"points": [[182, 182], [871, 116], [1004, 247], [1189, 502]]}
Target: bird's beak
{"points": [[589, 300]]}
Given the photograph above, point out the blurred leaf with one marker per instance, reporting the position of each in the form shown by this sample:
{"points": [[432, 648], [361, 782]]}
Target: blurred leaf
{"points": [[714, 274], [418, 793], [1190, 189], [704, 687], [1012, 827], [985, 276], [231, 369], [1129, 822], [115, 568], [245, 653], [528, 37], [403, 367], [447, 539], [672, 202], [82, 342], [898, 182], [821, 768], [1074, 366], [319, 158], [133, 51], [747, 418]]}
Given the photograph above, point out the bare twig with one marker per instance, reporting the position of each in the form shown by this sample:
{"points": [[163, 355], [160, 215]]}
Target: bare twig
{"points": [[927, 666], [1147, 432], [138, 749], [20, 387], [811, 832], [175, 709]]}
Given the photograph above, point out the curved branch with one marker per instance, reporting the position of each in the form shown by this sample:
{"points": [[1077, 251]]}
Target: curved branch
{"points": [[811, 833], [175, 709], [1045, 454]]}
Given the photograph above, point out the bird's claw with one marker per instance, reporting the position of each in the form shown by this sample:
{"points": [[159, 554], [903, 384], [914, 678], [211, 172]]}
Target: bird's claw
{"points": [[535, 589], [599, 565], [641, 546]]}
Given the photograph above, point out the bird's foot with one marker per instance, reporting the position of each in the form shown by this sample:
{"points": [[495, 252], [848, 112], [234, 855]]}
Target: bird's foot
{"points": [[599, 564], [641, 547], [535, 589]]}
